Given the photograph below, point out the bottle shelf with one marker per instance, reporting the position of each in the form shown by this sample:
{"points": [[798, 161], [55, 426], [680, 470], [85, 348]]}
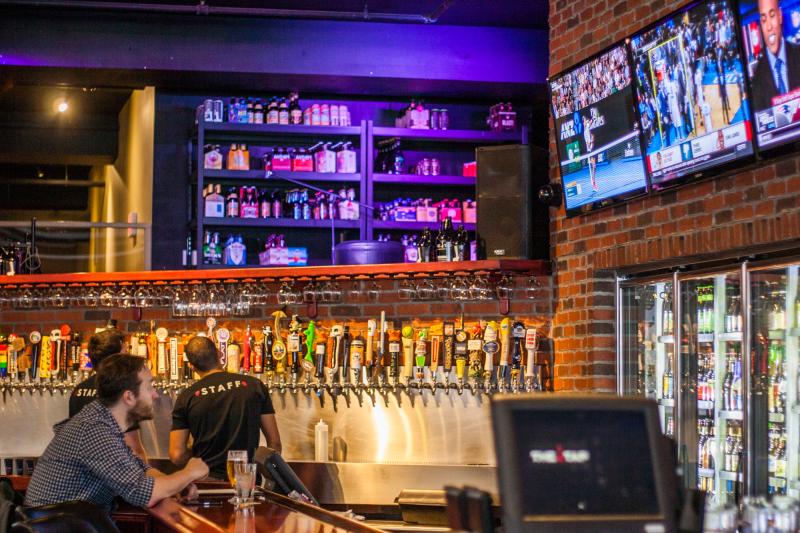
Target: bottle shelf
{"points": [[463, 136], [776, 334], [414, 179], [779, 482], [278, 223], [666, 339], [705, 472], [275, 179], [705, 405], [281, 129], [732, 415], [730, 336], [705, 337], [667, 402], [726, 475], [413, 225], [778, 418]]}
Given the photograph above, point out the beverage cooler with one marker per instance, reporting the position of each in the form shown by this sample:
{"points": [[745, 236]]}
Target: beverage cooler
{"points": [[682, 340]]}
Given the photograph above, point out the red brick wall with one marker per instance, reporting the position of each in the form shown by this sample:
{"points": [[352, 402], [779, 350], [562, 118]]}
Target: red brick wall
{"points": [[755, 206]]}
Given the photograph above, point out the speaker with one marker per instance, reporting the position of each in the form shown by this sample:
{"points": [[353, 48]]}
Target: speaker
{"points": [[510, 224]]}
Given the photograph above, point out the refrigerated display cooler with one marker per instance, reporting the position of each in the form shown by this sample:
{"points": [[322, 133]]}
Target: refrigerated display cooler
{"points": [[733, 411]]}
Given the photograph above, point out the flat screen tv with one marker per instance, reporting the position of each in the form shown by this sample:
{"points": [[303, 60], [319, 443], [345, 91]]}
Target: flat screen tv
{"points": [[597, 133], [691, 95], [771, 39]]}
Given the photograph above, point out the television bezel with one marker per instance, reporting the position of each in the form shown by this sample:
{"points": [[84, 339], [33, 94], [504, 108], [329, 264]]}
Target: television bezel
{"points": [[610, 201]]}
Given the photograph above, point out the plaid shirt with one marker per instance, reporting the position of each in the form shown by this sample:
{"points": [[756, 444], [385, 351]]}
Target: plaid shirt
{"points": [[88, 460]]}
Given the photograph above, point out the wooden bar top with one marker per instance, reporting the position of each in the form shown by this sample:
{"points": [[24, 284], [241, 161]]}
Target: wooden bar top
{"points": [[276, 514], [533, 267]]}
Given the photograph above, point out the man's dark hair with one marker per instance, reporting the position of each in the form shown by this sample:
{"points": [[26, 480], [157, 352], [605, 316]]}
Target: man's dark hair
{"points": [[103, 344], [202, 353], [118, 373]]}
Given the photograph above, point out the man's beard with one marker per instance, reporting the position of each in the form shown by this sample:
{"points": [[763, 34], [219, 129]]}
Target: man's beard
{"points": [[139, 412]]}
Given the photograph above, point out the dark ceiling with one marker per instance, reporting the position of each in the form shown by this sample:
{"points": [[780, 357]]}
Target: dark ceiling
{"points": [[530, 14]]}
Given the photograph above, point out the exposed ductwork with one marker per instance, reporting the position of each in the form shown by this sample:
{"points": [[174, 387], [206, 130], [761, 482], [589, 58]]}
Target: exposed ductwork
{"points": [[202, 8]]}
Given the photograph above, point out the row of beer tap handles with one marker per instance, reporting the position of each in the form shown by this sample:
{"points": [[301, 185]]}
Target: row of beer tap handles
{"points": [[488, 357], [434, 357]]}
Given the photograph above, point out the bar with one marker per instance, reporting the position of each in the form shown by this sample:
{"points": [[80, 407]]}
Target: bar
{"points": [[400, 266]]}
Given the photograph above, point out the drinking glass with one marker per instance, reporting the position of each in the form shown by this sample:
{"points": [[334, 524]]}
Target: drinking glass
{"points": [[532, 288], [107, 296], [92, 296], [459, 289], [235, 457], [245, 483], [505, 288], [756, 515], [355, 293], [426, 290], [407, 291], [374, 291], [720, 519], [285, 294], [784, 517]]}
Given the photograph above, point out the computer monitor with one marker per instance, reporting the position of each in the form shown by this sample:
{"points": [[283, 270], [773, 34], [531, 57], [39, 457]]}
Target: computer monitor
{"points": [[583, 463]]}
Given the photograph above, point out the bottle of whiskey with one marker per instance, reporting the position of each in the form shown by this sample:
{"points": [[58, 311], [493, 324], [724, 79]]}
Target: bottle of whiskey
{"points": [[445, 241]]}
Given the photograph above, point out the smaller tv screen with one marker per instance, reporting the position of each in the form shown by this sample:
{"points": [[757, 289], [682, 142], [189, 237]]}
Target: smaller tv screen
{"points": [[690, 86], [771, 37], [597, 135]]}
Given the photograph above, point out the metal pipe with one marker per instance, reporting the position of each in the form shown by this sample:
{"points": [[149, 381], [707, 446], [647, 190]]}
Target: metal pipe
{"points": [[54, 183], [203, 9]]}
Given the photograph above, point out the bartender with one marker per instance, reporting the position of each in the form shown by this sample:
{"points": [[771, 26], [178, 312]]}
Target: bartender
{"points": [[222, 411]]}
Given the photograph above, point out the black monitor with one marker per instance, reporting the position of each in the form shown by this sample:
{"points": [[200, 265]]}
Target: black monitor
{"points": [[771, 32], [597, 135], [691, 93], [583, 463]]}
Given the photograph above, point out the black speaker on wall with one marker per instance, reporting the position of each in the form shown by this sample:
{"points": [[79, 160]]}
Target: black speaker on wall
{"points": [[510, 223]]}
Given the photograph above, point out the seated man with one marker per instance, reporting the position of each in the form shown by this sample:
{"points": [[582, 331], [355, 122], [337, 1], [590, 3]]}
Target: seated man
{"points": [[101, 345], [222, 411], [88, 459]]}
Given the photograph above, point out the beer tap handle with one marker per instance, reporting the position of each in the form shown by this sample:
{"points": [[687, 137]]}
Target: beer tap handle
{"points": [[408, 353], [531, 345]]}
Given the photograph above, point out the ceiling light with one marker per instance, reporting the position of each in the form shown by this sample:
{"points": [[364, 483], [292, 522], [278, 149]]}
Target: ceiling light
{"points": [[60, 105]]}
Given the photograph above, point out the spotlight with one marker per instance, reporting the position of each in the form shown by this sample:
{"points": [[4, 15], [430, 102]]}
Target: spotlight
{"points": [[60, 105]]}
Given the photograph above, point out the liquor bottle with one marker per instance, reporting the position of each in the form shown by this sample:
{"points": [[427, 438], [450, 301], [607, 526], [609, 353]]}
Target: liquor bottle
{"points": [[283, 113], [424, 245], [295, 112], [272, 112], [461, 250], [668, 384], [736, 385], [445, 244], [700, 310], [728, 403], [232, 204]]}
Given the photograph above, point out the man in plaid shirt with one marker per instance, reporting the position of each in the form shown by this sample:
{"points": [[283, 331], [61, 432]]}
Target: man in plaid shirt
{"points": [[88, 459]]}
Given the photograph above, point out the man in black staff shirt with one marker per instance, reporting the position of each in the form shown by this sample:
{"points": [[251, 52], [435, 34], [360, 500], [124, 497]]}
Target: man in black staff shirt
{"points": [[102, 345], [88, 460], [222, 411]]}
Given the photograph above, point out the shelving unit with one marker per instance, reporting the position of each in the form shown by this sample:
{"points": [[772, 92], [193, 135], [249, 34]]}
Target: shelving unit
{"points": [[363, 137]]}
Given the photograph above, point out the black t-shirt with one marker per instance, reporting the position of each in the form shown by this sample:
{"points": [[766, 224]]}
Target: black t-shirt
{"points": [[222, 412], [85, 393]]}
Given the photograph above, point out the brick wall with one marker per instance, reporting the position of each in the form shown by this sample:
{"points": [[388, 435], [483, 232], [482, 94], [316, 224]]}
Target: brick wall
{"points": [[757, 206]]}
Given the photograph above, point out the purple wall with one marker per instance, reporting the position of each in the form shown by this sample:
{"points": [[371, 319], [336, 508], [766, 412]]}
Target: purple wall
{"points": [[283, 47]]}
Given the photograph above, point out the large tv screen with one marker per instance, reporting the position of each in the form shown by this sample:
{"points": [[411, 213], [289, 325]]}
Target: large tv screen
{"points": [[771, 36], [597, 135], [691, 94]]}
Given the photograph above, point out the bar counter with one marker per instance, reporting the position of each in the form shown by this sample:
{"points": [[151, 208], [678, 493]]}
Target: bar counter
{"points": [[273, 514]]}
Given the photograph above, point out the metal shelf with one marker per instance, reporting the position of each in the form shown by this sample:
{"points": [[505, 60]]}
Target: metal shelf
{"points": [[413, 225], [704, 404], [414, 179], [776, 334], [281, 130], [777, 481], [730, 336], [278, 223], [778, 418], [259, 175], [705, 472], [732, 415], [726, 475], [705, 337], [666, 339], [463, 136], [667, 402]]}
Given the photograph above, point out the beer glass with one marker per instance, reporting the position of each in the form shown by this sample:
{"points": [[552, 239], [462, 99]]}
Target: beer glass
{"points": [[235, 457], [245, 478]]}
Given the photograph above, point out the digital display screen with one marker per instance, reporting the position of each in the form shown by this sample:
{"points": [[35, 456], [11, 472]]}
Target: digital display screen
{"points": [[691, 93], [584, 462], [771, 37], [597, 134]]}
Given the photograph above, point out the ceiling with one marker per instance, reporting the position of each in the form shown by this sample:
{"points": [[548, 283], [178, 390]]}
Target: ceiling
{"points": [[530, 14]]}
